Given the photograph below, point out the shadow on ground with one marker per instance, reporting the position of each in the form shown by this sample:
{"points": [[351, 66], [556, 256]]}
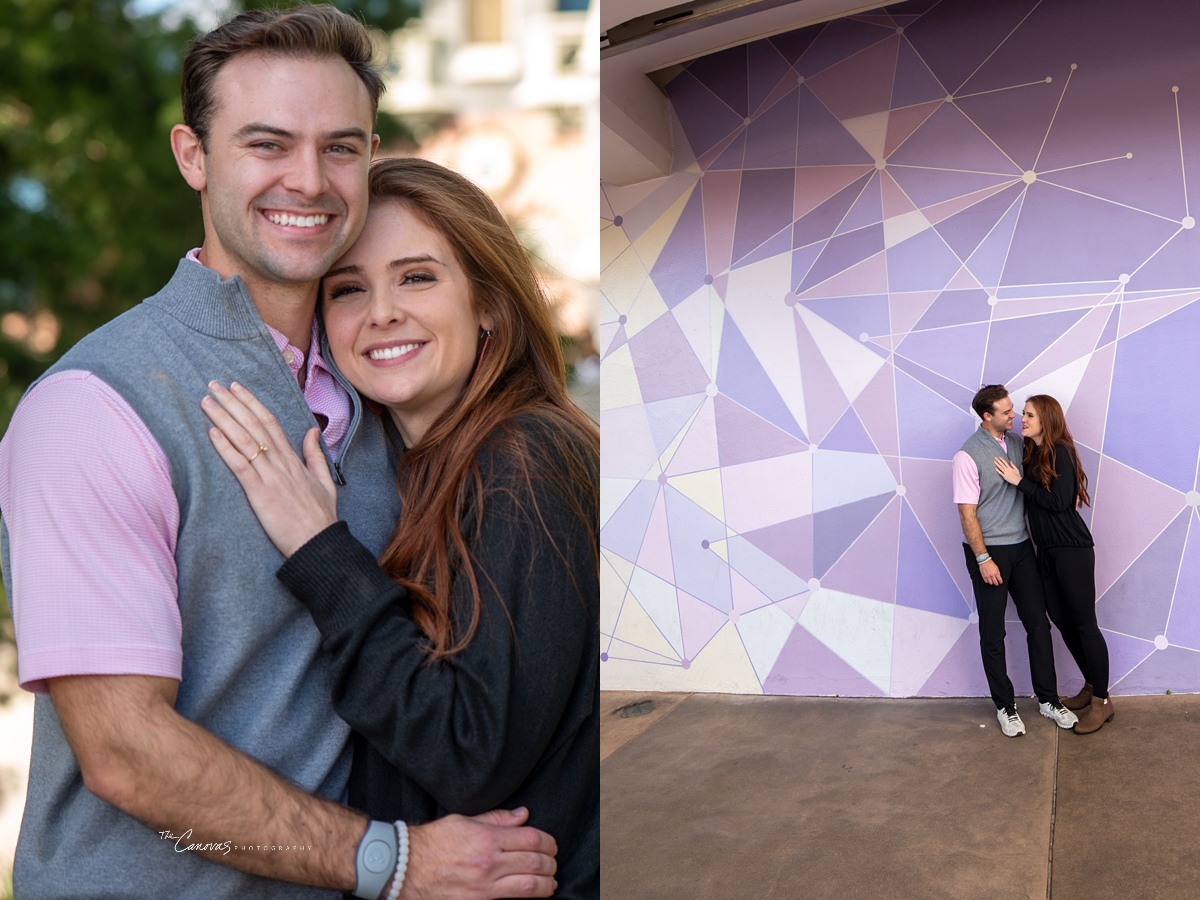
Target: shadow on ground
{"points": [[721, 796]]}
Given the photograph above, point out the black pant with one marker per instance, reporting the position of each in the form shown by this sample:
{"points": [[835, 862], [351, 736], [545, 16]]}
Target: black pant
{"points": [[1019, 577], [1069, 581]]}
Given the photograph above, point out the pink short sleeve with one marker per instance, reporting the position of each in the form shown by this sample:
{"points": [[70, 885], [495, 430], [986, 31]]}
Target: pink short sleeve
{"points": [[966, 478], [92, 520]]}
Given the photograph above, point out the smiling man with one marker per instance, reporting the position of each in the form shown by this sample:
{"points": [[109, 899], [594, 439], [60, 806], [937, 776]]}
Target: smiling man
{"points": [[185, 743], [1000, 560]]}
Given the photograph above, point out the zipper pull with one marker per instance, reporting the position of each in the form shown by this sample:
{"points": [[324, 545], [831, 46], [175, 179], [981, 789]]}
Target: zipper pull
{"points": [[338, 469]]}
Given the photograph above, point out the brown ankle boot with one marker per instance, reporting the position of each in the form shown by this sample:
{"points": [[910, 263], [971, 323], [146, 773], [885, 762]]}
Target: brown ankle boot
{"points": [[1099, 712], [1080, 700]]}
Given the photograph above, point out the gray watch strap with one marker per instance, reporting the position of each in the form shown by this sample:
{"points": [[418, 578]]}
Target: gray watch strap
{"points": [[375, 861]]}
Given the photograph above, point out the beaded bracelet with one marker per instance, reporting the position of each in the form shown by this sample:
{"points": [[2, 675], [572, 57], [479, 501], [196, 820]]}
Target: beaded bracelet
{"points": [[401, 860]]}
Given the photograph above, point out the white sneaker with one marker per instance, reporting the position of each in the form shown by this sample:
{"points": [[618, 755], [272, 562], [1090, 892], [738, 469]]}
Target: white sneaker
{"points": [[1062, 716], [1010, 722]]}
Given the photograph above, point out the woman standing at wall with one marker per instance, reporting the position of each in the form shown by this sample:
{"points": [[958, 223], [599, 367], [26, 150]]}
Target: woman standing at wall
{"points": [[1054, 488]]}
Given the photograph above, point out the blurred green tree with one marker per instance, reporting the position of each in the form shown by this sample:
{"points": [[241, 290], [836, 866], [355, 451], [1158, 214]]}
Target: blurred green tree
{"points": [[93, 213]]}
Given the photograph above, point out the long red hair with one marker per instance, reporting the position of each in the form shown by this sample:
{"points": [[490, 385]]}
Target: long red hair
{"points": [[520, 372], [1054, 433]]}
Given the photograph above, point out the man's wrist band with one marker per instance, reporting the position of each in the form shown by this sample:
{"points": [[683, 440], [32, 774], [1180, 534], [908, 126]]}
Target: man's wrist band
{"points": [[980, 560], [375, 861]]}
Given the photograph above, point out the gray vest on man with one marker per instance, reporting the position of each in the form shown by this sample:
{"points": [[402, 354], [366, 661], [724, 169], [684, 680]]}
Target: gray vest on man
{"points": [[252, 671], [1001, 509]]}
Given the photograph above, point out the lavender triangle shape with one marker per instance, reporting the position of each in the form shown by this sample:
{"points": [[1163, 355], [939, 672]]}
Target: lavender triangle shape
{"points": [[741, 377]]}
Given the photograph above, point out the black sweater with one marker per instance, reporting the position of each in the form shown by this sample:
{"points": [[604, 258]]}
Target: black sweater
{"points": [[513, 720], [1054, 520]]}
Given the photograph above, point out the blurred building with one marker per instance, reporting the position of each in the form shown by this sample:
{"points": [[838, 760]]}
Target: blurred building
{"points": [[507, 92]]}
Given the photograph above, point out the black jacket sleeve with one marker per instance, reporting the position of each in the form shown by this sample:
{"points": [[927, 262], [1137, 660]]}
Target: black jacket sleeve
{"points": [[468, 730], [1061, 496]]}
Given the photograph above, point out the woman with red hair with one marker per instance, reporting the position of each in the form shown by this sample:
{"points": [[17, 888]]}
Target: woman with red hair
{"points": [[1055, 487], [466, 657]]}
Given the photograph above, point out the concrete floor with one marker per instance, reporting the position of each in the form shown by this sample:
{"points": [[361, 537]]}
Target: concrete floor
{"points": [[720, 796]]}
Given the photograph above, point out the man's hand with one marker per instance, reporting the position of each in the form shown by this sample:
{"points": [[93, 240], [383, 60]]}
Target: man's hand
{"points": [[974, 535], [484, 857]]}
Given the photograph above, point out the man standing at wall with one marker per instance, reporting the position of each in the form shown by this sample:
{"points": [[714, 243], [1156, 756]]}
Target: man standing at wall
{"points": [[185, 743], [1001, 561]]}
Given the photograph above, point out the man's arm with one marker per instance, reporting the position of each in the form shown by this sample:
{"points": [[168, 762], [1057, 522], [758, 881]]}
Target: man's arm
{"points": [[138, 754], [134, 750], [974, 535]]}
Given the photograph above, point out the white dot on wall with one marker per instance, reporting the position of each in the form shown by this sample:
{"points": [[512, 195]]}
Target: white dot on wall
{"points": [[1188, 222], [746, 121], [901, 490], [1074, 66], [973, 618], [1129, 155], [864, 337], [881, 164], [949, 98], [1123, 278], [800, 80], [1029, 176], [711, 390], [814, 584], [992, 300], [1193, 498], [1161, 642], [1048, 79], [899, 29], [1175, 89]]}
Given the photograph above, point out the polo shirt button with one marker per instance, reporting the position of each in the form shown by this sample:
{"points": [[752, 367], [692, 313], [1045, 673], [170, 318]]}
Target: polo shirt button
{"points": [[289, 356]]}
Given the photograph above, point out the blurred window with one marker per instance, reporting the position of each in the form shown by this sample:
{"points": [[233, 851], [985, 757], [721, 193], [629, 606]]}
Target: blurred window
{"points": [[486, 24], [572, 5], [568, 56]]}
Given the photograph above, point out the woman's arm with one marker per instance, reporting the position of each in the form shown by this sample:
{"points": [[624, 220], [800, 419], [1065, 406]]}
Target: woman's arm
{"points": [[1061, 496], [469, 729]]}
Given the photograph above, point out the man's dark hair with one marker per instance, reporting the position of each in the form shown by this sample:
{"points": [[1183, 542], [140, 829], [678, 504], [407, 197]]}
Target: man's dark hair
{"points": [[987, 397], [305, 30]]}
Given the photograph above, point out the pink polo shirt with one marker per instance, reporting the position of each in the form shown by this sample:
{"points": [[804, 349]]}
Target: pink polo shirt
{"points": [[966, 474], [92, 520]]}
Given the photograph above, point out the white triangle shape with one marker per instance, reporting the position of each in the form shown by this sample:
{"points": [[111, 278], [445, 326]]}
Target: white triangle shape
{"points": [[870, 131], [857, 629], [852, 364]]}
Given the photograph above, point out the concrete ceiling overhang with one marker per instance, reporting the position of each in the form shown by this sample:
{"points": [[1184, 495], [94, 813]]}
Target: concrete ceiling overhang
{"points": [[644, 36]]}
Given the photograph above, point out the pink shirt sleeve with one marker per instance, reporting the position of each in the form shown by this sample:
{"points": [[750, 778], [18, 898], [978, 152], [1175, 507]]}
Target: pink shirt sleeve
{"points": [[92, 520], [966, 478]]}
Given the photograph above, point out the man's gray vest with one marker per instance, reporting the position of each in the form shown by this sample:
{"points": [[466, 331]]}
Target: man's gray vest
{"points": [[252, 671], [1001, 508]]}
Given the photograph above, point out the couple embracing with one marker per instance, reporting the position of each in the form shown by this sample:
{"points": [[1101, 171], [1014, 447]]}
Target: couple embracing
{"points": [[1000, 479], [302, 550]]}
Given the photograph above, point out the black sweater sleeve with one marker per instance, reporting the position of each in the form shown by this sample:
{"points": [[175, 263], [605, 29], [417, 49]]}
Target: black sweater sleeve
{"points": [[1061, 496], [469, 729]]}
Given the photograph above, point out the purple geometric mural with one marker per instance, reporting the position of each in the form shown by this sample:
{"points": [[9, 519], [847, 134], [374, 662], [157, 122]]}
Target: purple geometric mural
{"points": [[866, 220]]}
